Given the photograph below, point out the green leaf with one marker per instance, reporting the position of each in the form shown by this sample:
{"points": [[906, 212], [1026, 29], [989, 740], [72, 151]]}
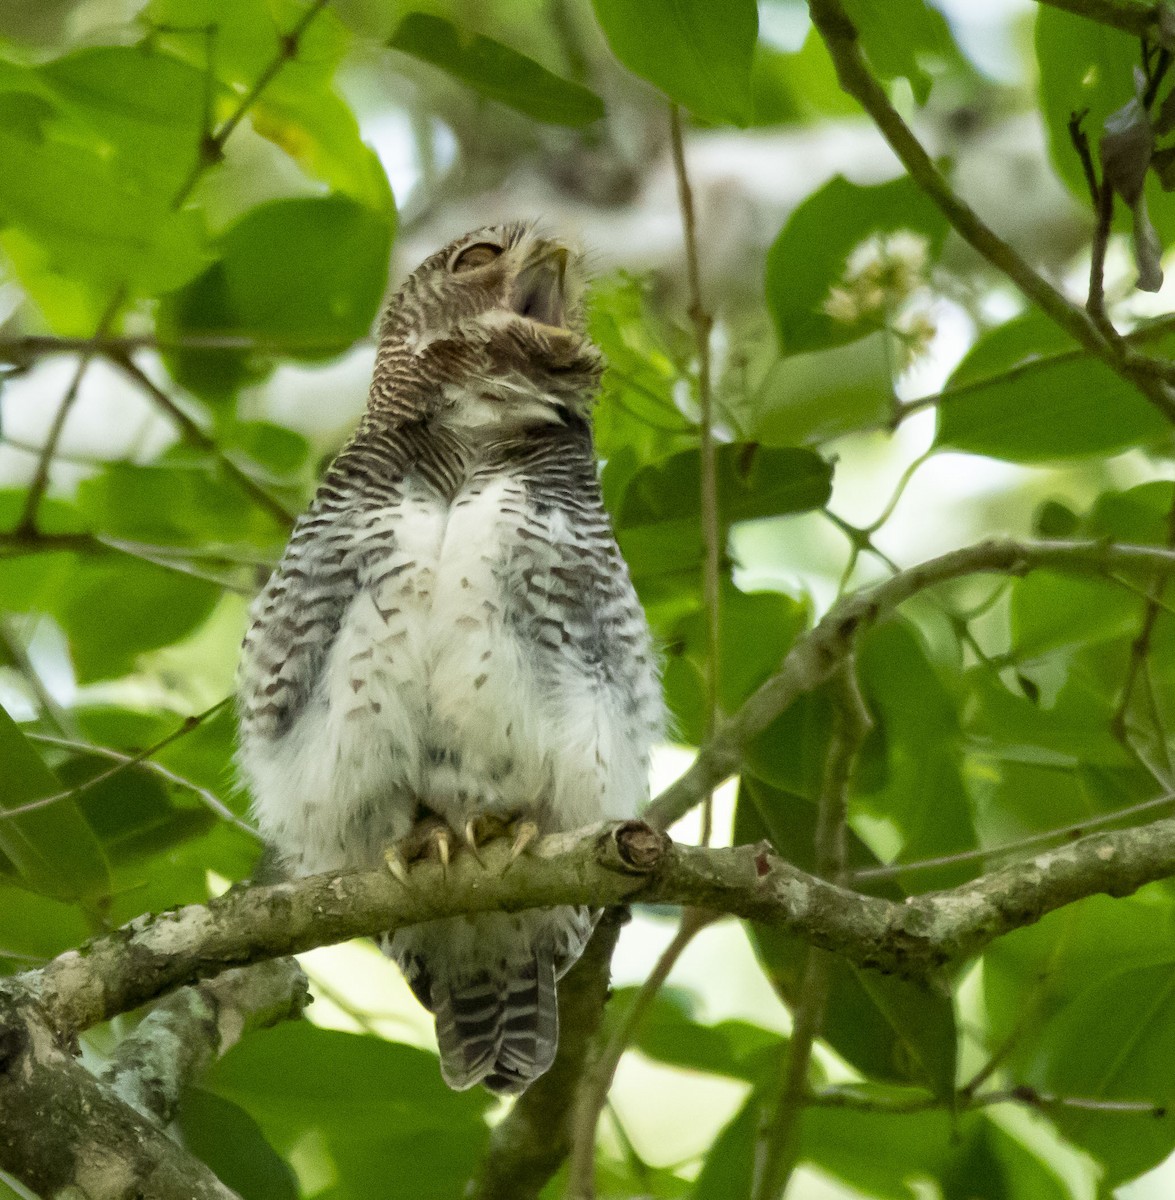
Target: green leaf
{"points": [[811, 255], [1071, 730], [1066, 405], [347, 1087], [755, 632], [1088, 67], [319, 131], [698, 53], [1115, 1041], [52, 849], [911, 766], [224, 1136], [155, 608], [496, 71], [145, 105], [670, 1033], [36, 927], [637, 421], [311, 303], [878, 1153], [900, 37], [658, 526], [93, 223], [807, 399], [1035, 972], [888, 1028], [729, 1167]]}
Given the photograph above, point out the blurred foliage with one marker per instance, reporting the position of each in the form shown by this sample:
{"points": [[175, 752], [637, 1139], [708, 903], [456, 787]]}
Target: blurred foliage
{"points": [[196, 176]]}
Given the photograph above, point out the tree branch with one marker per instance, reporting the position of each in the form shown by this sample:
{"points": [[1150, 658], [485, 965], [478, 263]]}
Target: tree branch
{"points": [[182, 1035], [840, 37], [817, 654], [66, 1134], [625, 863]]}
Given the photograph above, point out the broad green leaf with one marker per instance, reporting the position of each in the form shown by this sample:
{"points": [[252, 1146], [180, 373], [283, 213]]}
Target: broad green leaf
{"points": [[279, 450], [320, 132], [728, 1171], [496, 71], [637, 420], [911, 766], [888, 1028], [1033, 973], [1051, 612], [658, 526], [306, 274], [52, 849], [1066, 405], [133, 813], [229, 1141], [145, 105], [248, 40], [154, 608], [698, 53], [346, 1087], [35, 927], [670, 1033], [903, 37], [93, 223], [1071, 729], [818, 293], [756, 629], [806, 399], [1115, 1040], [878, 1153]]}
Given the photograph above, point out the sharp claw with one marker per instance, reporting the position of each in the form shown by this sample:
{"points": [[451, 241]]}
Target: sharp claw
{"points": [[397, 867], [525, 833], [470, 834], [442, 843]]}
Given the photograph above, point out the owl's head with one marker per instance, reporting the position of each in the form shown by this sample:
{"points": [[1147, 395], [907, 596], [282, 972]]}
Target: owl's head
{"points": [[490, 332]]}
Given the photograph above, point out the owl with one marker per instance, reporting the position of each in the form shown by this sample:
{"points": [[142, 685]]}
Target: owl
{"points": [[451, 644]]}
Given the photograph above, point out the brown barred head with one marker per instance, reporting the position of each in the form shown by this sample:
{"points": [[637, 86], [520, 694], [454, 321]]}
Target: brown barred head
{"points": [[489, 332]]}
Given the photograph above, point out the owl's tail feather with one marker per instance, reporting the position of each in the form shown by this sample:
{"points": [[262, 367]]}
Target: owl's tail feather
{"points": [[500, 1028]]}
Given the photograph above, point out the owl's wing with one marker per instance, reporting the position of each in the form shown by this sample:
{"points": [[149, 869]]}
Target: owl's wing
{"points": [[295, 621]]}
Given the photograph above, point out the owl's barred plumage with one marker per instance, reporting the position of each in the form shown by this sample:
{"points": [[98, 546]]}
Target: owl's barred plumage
{"points": [[452, 632]]}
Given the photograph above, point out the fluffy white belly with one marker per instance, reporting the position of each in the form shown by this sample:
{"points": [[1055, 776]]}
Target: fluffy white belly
{"points": [[430, 698]]}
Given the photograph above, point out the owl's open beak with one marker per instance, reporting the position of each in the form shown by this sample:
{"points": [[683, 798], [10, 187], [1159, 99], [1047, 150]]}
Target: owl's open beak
{"points": [[538, 289]]}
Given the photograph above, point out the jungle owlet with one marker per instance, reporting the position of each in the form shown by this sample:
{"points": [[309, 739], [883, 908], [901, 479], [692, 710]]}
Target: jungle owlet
{"points": [[452, 633]]}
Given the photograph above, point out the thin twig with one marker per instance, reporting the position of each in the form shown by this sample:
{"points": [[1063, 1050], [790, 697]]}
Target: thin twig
{"points": [[840, 37], [212, 145], [711, 525], [195, 436], [597, 1079], [124, 762], [27, 523], [1102, 197], [778, 1145], [1076, 830], [1140, 647]]}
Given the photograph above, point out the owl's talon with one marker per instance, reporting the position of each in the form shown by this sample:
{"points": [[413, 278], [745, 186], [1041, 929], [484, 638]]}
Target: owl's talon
{"points": [[525, 832], [397, 867], [470, 838]]}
